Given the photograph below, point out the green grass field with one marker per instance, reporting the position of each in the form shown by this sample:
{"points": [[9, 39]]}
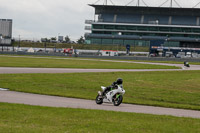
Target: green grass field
{"points": [[16, 118], [178, 89], [54, 57], [73, 63]]}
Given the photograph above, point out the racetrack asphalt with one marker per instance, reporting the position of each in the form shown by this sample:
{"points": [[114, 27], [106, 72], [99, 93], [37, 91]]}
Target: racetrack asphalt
{"points": [[54, 101], [6, 70]]}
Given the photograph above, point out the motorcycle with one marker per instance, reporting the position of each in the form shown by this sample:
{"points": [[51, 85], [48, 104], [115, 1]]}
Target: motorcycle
{"points": [[114, 96], [186, 64]]}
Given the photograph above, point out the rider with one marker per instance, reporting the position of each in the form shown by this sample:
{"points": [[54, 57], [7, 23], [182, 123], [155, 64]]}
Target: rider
{"points": [[119, 81]]}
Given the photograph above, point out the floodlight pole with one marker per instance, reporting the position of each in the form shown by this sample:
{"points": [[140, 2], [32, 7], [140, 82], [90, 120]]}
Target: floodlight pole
{"points": [[19, 42], [171, 4], [105, 2]]}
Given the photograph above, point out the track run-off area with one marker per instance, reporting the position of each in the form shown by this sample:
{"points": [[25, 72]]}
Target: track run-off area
{"points": [[55, 101]]}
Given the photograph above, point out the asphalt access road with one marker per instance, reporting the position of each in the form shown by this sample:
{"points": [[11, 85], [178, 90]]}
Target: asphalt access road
{"points": [[6, 70], [54, 101]]}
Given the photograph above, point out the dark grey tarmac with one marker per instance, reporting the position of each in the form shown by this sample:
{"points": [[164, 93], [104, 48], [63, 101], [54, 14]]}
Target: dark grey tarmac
{"points": [[54, 101]]}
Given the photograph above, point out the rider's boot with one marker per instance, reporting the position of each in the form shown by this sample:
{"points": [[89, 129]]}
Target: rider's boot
{"points": [[103, 92], [106, 90]]}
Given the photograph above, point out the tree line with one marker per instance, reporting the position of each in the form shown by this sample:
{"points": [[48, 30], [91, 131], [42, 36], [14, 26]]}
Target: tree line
{"points": [[66, 39]]}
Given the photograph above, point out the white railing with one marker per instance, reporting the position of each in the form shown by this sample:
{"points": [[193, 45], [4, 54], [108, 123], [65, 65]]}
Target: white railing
{"points": [[88, 28], [89, 21]]}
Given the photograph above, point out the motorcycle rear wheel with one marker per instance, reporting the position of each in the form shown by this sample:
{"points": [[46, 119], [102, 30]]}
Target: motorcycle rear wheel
{"points": [[118, 101], [99, 100]]}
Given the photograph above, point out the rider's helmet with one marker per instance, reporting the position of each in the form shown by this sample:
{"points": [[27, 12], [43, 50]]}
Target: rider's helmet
{"points": [[119, 81]]}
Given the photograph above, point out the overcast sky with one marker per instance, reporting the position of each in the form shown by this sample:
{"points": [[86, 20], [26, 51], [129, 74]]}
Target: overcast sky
{"points": [[34, 19]]}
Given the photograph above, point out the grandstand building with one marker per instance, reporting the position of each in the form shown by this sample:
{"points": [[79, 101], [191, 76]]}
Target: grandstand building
{"points": [[135, 25], [5, 32]]}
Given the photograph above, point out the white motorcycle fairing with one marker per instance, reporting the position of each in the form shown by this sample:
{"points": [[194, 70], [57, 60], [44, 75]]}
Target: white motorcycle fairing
{"points": [[110, 94]]}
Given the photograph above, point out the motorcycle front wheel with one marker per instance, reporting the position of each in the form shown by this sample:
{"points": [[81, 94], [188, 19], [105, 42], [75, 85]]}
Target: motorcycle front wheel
{"points": [[118, 100], [99, 100]]}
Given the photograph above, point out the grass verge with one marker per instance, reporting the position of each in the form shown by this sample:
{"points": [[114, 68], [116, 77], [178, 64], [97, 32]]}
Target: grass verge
{"points": [[176, 89], [73, 63], [169, 62], [24, 118]]}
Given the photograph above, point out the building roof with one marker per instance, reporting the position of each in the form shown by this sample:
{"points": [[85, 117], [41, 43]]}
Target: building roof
{"points": [[6, 20], [99, 9]]}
